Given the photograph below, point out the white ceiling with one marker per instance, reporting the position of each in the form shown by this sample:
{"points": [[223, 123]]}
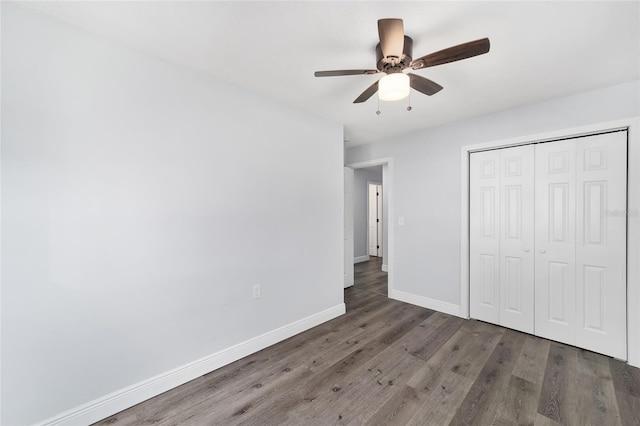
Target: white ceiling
{"points": [[539, 51]]}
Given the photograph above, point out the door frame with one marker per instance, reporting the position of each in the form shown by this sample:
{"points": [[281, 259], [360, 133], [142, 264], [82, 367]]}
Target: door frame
{"points": [[387, 187], [632, 125], [348, 236], [371, 182]]}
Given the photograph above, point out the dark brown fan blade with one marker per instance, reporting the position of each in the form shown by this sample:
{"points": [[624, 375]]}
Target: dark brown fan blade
{"points": [[391, 32], [424, 85], [367, 93], [336, 73], [452, 54]]}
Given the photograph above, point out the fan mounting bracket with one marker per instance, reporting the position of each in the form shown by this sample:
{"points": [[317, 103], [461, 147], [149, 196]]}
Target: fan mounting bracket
{"points": [[390, 63]]}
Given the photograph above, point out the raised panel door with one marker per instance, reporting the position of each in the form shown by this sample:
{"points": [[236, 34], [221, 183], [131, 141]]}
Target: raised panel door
{"points": [[555, 278], [517, 238], [601, 243], [484, 228]]}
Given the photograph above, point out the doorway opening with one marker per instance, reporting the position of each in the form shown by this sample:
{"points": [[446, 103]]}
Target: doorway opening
{"points": [[372, 238], [369, 276]]}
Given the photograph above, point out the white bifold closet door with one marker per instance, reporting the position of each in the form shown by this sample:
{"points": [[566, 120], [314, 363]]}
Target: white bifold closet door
{"points": [[556, 240], [548, 240], [581, 198], [502, 244]]}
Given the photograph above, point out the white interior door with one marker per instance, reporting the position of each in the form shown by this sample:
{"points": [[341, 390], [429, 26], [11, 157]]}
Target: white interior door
{"points": [[581, 242], [601, 243], [555, 262], [484, 227], [548, 240], [502, 237], [374, 218], [379, 232], [517, 238], [348, 227]]}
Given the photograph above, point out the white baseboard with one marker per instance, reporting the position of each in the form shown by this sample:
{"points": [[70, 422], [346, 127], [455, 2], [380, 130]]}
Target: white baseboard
{"points": [[425, 302], [361, 259], [115, 402], [385, 268]]}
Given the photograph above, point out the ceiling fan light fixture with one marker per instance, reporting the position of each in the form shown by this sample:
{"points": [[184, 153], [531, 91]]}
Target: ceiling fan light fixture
{"points": [[393, 87], [394, 55]]}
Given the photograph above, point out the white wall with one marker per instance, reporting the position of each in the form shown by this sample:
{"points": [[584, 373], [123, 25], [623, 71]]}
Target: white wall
{"points": [[361, 177], [427, 180], [141, 201]]}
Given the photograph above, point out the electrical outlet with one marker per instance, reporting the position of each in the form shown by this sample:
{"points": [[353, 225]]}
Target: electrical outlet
{"points": [[257, 290]]}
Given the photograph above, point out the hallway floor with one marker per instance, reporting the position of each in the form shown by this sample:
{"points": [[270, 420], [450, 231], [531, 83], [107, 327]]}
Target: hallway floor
{"points": [[369, 276]]}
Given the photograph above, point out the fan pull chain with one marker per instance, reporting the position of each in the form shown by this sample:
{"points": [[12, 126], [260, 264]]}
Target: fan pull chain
{"points": [[409, 107]]}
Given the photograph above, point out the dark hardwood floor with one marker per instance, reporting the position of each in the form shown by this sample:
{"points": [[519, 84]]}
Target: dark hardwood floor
{"points": [[390, 363], [369, 276]]}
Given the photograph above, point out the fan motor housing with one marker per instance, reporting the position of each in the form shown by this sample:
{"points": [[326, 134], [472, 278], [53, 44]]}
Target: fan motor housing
{"points": [[382, 64]]}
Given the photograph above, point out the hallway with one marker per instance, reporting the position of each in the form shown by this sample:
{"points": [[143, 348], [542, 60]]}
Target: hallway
{"points": [[369, 276]]}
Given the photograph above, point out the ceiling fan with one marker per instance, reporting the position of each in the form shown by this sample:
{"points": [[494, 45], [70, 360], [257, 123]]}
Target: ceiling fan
{"points": [[394, 54]]}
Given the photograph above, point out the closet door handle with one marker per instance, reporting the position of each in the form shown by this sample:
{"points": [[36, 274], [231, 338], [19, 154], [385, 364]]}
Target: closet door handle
{"points": [[542, 251], [526, 250]]}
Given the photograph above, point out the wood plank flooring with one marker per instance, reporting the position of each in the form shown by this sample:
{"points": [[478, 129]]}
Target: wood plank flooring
{"points": [[369, 276], [390, 363]]}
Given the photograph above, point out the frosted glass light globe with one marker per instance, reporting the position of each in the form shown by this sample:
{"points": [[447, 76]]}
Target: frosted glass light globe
{"points": [[393, 87]]}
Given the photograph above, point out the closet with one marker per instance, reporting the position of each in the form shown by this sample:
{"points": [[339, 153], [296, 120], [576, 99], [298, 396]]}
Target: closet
{"points": [[547, 236]]}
